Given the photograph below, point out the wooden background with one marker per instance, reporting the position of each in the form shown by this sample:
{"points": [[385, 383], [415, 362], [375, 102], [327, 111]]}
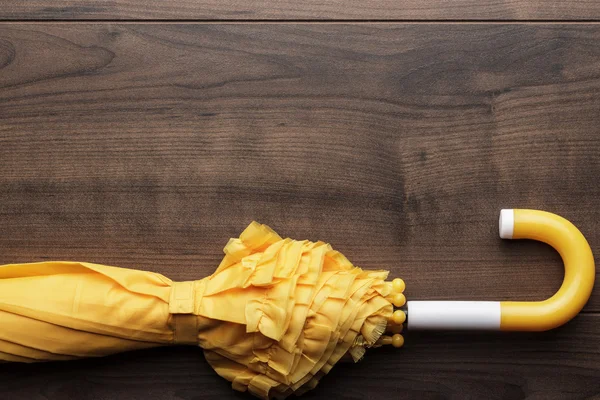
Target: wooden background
{"points": [[144, 134]]}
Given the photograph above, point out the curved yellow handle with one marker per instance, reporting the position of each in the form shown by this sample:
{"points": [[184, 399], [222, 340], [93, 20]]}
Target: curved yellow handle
{"points": [[579, 270]]}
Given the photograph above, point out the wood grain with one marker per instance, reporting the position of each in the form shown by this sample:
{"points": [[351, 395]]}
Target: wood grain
{"points": [[432, 10], [558, 365], [149, 145]]}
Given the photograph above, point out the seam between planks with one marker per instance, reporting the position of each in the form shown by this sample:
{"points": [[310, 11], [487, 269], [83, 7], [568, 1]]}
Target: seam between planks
{"points": [[301, 21]]}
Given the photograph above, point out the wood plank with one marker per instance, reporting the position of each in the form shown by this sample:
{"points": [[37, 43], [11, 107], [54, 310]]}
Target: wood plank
{"points": [[305, 10], [148, 146], [559, 365]]}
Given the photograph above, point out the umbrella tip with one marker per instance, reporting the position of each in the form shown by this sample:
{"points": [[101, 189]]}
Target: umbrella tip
{"points": [[396, 296], [398, 317], [396, 341]]}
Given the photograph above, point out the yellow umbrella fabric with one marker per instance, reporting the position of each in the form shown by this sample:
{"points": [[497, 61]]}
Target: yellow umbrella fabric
{"points": [[276, 315]]}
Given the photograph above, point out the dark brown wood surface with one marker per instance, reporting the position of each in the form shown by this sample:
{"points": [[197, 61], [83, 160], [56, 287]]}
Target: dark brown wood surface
{"points": [[565, 10], [149, 145]]}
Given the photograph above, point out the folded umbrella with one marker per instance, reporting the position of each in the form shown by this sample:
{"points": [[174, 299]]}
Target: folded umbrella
{"points": [[276, 315]]}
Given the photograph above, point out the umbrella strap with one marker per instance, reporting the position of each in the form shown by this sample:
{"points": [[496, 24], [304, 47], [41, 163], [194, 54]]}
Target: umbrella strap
{"points": [[181, 305], [186, 329]]}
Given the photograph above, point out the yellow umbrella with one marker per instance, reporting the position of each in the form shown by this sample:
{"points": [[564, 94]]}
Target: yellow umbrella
{"points": [[276, 315]]}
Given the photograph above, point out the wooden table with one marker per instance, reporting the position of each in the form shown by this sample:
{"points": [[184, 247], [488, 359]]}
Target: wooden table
{"points": [[144, 134]]}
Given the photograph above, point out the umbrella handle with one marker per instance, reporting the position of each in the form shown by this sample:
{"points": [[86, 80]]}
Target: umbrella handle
{"points": [[521, 315]]}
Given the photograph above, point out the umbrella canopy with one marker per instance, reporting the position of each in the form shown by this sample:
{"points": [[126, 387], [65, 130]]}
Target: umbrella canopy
{"points": [[275, 317]]}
